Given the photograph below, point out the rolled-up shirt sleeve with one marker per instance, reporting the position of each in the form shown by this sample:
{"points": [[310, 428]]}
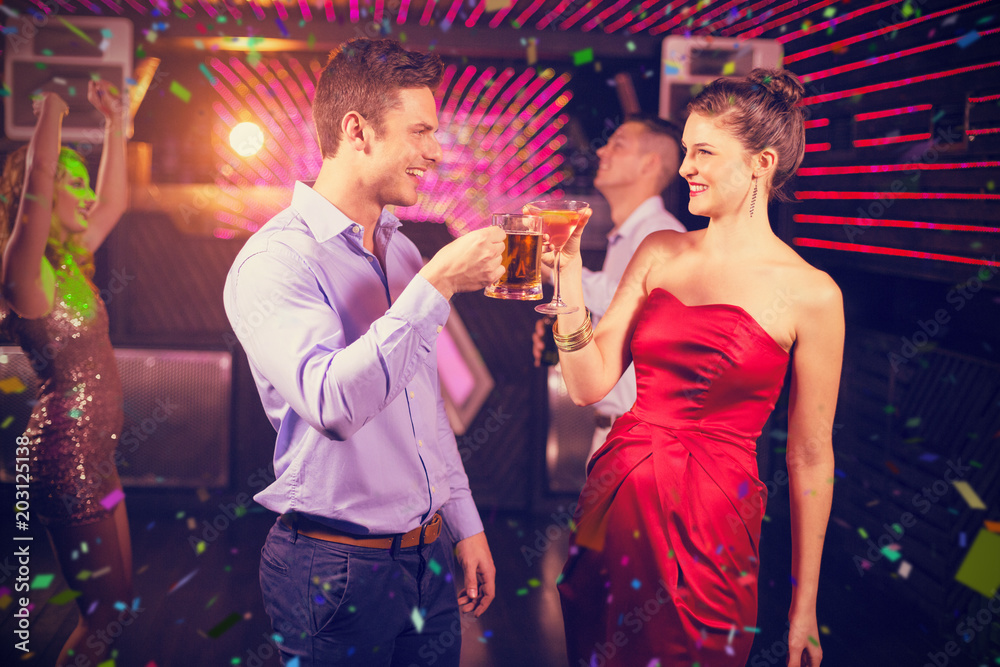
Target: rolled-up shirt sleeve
{"points": [[294, 337]]}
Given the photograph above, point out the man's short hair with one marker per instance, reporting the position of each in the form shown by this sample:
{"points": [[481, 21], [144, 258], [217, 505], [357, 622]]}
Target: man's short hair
{"points": [[660, 127], [366, 75]]}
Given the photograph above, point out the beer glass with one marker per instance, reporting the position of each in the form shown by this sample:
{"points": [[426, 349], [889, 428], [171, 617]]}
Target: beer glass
{"points": [[522, 249], [561, 218]]}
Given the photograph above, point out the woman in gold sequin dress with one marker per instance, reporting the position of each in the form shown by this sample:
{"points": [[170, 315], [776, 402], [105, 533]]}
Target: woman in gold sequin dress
{"points": [[51, 224]]}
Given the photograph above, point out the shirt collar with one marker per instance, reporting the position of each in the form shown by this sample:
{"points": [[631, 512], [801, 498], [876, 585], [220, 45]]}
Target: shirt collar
{"points": [[650, 207], [325, 220]]}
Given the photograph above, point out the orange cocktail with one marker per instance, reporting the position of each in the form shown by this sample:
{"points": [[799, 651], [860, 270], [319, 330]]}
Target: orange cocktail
{"points": [[560, 219]]}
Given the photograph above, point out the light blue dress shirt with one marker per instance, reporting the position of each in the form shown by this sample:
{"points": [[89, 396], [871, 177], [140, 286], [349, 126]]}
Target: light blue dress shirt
{"points": [[344, 357]]}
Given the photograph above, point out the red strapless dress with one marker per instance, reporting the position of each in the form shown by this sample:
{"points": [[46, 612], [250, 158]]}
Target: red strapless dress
{"points": [[663, 564]]}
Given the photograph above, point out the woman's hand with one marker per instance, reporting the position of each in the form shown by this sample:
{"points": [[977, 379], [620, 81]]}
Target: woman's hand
{"points": [[105, 98], [570, 251], [49, 101], [803, 641]]}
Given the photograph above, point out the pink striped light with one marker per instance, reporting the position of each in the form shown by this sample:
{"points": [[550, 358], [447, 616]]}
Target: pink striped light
{"points": [[884, 168], [905, 224], [835, 194], [896, 252], [885, 113], [817, 122], [885, 141], [863, 90]]}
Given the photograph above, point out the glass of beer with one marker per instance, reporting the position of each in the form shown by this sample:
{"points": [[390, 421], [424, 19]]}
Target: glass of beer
{"points": [[522, 249], [561, 217]]}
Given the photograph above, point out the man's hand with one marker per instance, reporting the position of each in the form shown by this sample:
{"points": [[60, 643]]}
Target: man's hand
{"points": [[538, 338], [473, 554], [468, 263]]}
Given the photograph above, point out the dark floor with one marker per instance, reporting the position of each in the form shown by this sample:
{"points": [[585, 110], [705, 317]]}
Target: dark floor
{"points": [[183, 595]]}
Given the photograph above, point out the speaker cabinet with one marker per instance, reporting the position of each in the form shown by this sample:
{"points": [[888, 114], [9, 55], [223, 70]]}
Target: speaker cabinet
{"points": [[177, 415], [61, 54]]}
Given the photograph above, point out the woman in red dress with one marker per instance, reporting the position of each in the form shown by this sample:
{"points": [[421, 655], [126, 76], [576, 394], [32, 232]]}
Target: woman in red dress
{"points": [[663, 565], [51, 223]]}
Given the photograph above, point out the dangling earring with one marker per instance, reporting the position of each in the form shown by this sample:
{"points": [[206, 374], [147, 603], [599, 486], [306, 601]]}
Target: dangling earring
{"points": [[753, 197]]}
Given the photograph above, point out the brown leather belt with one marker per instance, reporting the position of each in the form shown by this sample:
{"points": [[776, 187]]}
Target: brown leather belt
{"points": [[424, 534], [604, 421]]}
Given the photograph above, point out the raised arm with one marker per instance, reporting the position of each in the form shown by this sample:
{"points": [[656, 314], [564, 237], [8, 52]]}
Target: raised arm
{"points": [[112, 180], [28, 280], [592, 371], [816, 369]]}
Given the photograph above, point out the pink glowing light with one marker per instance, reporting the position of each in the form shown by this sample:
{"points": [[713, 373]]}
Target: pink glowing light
{"points": [[896, 252]]}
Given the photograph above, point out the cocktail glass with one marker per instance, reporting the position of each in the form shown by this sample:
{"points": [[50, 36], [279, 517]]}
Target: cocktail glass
{"points": [[560, 218]]}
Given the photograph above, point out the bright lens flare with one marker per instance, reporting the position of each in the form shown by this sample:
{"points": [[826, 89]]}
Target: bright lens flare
{"points": [[246, 139]]}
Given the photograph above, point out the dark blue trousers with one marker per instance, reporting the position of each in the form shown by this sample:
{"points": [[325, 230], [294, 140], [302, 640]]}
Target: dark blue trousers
{"points": [[337, 604]]}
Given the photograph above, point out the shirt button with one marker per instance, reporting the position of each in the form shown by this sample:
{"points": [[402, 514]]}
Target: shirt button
{"points": [[420, 443], [370, 258], [412, 395], [439, 328], [433, 489], [355, 229]]}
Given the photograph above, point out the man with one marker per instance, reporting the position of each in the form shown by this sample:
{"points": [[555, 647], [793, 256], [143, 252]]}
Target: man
{"points": [[339, 320], [636, 166]]}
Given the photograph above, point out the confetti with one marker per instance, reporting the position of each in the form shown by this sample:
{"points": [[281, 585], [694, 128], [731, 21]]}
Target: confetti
{"points": [[418, 620], [112, 499], [13, 384], [227, 622], [434, 566], [7, 422], [891, 552], [281, 26], [583, 56], [186, 578], [978, 570], [968, 38], [65, 596], [76, 31], [904, 569], [42, 581], [180, 91], [992, 526], [972, 498]]}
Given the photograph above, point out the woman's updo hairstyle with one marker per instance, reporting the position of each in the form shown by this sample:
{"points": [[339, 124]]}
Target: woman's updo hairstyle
{"points": [[761, 111]]}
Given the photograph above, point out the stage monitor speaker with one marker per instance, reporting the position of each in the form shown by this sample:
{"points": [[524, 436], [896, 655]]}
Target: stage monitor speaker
{"points": [[62, 54], [689, 63], [177, 415]]}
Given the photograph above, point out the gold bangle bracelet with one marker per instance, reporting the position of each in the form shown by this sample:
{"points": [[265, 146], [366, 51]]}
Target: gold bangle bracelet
{"points": [[578, 339]]}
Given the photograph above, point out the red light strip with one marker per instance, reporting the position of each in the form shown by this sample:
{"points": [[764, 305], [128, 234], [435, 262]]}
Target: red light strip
{"points": [[818, 122], [814, 148], [526, 14], [872, 115], [257, 11], [709, 29], [551, 16], [885, 141], [331, 15], [878, 250], [425, 18], [988, 98], [836, 46], [624, 20], [501, 15], [210, 9], [404, 9], [307, 13], [282, 12], [592, 23], [476, 13], [906, 224], [818, 194], [687, 13], [379, 10], [453, 11], [881, 59], [580, 13], [355, 11], [816, 99], [837, 20], [776, 22], [885, 168], [985, 130]]}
